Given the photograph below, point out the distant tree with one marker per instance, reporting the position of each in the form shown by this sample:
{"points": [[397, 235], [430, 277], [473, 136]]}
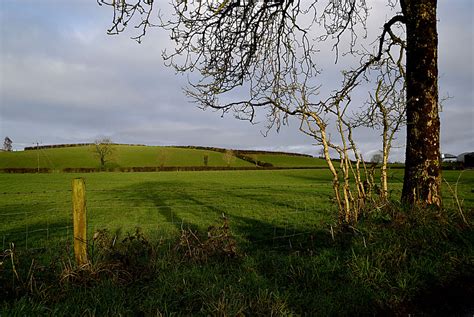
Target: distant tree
{"points": [[7, 144], [229, 157], [377, 158], [104, 150], [255, 158], [163, 156], [321, 153]]}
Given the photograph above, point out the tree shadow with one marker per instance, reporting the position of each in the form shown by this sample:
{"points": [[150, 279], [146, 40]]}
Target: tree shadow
{"points": [[253, 233], [319, 178], [163, 196], [277, 256]]}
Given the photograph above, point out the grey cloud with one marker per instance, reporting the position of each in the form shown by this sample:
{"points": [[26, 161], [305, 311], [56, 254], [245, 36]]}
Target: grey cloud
{"points": [[64, 80]]}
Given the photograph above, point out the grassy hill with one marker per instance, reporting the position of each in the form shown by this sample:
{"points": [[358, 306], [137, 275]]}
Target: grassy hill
{"points": [[124, 156]]}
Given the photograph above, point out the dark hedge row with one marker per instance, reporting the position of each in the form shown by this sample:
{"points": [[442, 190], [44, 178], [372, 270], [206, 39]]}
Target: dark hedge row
{"points": [[252, 160], [452, 166], [258, 152], [241, 152], [23, 170], [237, 152], [55, 146], [145, 169]]}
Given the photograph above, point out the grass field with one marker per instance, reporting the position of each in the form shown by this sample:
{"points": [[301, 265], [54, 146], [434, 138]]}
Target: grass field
{"points": [[297, 199], [162, 201], [288, 263], [124, 156], [141, 156]]}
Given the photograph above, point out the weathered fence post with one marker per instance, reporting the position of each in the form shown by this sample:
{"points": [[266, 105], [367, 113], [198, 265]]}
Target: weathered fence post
{"points": [[80, 220]]}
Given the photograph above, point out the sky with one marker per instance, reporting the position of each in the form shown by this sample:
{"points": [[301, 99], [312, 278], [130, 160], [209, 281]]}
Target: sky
{"points": [[64, 80]]}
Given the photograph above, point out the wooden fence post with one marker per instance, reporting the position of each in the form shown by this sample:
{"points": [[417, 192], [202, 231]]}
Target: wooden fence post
{"points": [[80, 220]]}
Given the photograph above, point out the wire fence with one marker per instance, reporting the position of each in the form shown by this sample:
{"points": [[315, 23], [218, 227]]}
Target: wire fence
{"points": [[257, 214]]}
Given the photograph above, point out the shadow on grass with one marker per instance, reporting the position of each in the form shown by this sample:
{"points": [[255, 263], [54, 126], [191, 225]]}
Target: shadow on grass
{"points": [[252, 233], [33, 225], [164, 196], [284, 270], [320, 176]]}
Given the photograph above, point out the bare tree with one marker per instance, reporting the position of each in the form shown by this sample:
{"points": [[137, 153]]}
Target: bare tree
{"points": [[269, 49], [321, 153], [7, 144], [103, 149], [163, 156], [377, 158], [386, 108], [229, 157]]}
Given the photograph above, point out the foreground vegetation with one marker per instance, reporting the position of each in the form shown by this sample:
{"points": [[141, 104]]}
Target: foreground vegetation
{"points": [[277, 251]]}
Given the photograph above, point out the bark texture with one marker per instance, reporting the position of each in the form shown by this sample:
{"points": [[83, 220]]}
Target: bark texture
{"points": [[422, 183]]}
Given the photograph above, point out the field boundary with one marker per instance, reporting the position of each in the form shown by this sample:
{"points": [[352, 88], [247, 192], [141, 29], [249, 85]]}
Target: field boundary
{"points": [[21, 170]]}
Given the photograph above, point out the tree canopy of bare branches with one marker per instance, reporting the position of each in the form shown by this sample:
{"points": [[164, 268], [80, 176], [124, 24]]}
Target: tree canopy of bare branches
{"points": [[104, 149], [268, 49], [7, 144]]}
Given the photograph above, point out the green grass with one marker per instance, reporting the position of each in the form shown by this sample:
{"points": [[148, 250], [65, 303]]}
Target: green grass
{"points": [[289, 264], [141, 156], [160, 202], [124, 156]]}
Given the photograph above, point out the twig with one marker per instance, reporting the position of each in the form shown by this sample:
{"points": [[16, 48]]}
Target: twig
{"points": [[454, 192]]}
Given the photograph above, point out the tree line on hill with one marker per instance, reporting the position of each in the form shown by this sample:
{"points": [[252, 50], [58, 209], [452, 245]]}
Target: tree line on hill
{"points": [[66, 145], [244, 152]]}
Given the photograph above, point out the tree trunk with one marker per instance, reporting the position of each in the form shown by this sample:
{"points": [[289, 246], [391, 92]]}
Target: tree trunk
{"points": [[383, 168], [422, 181], [102, 163]]}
